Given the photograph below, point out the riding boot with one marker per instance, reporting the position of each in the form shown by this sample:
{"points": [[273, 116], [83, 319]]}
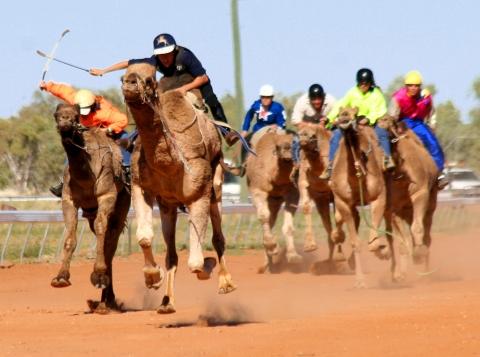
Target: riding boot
{"points": [[57, 189], [127, 175], [388, 163], [327, 173], [218, 114], [442, 181]]}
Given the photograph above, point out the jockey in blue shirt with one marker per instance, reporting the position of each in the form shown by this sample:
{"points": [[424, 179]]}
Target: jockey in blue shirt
{"points": [[265, 111]]}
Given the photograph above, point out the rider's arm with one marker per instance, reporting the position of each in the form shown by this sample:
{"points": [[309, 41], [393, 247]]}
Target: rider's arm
{"points": [[111, 117], [59, 90], [248, 118], [112, 68], [298, 111], [196, 83], [281, 119], [378, 107]]}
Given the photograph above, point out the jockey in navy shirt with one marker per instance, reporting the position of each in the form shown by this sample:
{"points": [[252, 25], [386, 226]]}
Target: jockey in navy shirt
{"points": [[173, 60], [265, 111]]}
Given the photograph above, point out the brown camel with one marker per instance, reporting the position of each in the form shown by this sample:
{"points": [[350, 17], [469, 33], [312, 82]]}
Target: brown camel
{"points": [[412, 195], [268, 179], [357, 179], [177, 162], [314, 143], [92, 182]]}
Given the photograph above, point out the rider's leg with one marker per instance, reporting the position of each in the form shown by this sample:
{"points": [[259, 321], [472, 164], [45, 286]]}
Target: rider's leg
{"points": [[334, 144], [432, 145], [296, 158], [384, 139], [217, 111]]}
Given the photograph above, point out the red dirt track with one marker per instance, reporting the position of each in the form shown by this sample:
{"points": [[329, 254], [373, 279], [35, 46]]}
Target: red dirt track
{"points": [[283, 314]]}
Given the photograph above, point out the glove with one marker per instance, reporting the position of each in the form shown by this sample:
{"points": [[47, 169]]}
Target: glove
{"points": [[425, 93]]}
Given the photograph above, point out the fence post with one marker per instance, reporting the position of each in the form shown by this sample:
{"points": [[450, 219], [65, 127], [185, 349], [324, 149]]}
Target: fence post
{"points": [[7, 238]]}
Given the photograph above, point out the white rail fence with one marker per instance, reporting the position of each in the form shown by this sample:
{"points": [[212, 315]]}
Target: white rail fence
{"points": [[30, 236]]}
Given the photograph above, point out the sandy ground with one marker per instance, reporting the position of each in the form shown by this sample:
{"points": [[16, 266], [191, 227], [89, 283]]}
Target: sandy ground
{"points": [[283, 314]]}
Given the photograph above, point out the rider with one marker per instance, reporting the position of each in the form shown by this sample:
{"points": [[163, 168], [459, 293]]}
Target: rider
{"points": [[311, 107], [369, 100], [414, 106], [95, 111], [173, 60], [266, 112]]}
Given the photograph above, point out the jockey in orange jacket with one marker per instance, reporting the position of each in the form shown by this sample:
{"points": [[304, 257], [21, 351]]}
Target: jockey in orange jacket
{"points": [[95, 111]]}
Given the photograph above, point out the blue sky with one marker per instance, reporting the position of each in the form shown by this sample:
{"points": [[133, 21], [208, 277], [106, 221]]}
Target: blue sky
{"points": [[289, 44]]}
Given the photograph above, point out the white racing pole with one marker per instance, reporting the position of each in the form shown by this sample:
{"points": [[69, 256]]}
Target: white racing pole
{"points": [[52, 53]]}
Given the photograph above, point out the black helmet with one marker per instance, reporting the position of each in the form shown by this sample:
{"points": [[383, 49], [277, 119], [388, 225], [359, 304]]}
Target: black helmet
{"points": [[316, 91], [163, 43], [365, 75]]}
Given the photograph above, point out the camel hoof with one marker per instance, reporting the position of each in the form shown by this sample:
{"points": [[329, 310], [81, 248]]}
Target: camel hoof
{"points": [[99, 280], [263, 269], [153, 277], [307, 248], [399, 277], [351, 261], [294, 258], [97, 307], [227, 288], [420, 253], [206, 272], [60, 282], [383, 253], [338, 236], [360, 284], [166, 307]]}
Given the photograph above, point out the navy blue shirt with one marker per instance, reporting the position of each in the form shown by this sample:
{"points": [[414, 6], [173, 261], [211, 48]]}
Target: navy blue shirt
{"points": [[185, 62], [275, 114]]}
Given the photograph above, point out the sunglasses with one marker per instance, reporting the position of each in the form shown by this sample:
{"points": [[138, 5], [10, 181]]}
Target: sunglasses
{"points": [[413, 85]]}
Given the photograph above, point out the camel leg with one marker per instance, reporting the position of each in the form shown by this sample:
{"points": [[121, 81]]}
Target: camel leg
{"points": [[420, 202], [225, 282], [168, 215], [143, 204], [345, 213], [70, 215], [291, 202], [305, 204], [427, 240], [260, 200], [198, 219], [376, 242], [402, 235], [106, 204], [323, 207]]}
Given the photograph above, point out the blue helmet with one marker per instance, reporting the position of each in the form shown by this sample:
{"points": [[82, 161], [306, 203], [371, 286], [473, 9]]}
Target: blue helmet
{"points": [[163, 43]]}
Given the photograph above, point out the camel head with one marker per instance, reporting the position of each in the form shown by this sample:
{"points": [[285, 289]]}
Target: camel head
{"points": [[394, 126], [347, 117], [139, 84], [283, 147], [67, 118], [308, 137]]}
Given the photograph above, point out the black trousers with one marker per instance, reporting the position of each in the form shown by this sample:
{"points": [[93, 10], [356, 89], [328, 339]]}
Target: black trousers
{"points": [[213, 103]]}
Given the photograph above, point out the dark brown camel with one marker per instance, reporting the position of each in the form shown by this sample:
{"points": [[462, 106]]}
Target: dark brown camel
{"points": [[93, 182]]}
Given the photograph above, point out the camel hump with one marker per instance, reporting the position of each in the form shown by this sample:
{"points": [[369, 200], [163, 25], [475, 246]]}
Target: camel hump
{"points": [[260, 134]]}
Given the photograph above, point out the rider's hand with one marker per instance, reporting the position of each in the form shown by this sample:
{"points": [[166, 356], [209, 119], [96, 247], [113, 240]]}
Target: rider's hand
{"points": [[425, 93], [96, 71], [244, 134], [182, 90], [42, 85]]}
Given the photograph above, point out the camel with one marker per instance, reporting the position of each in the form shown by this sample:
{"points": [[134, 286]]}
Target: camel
{"points": [[314, 143], [412, 195], [357, 179], [178, 161], [268, 180], [93, 182]]}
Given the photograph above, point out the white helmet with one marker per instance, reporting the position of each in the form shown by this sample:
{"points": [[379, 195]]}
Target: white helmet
{"points": [[266, 91], [85, 99]]}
